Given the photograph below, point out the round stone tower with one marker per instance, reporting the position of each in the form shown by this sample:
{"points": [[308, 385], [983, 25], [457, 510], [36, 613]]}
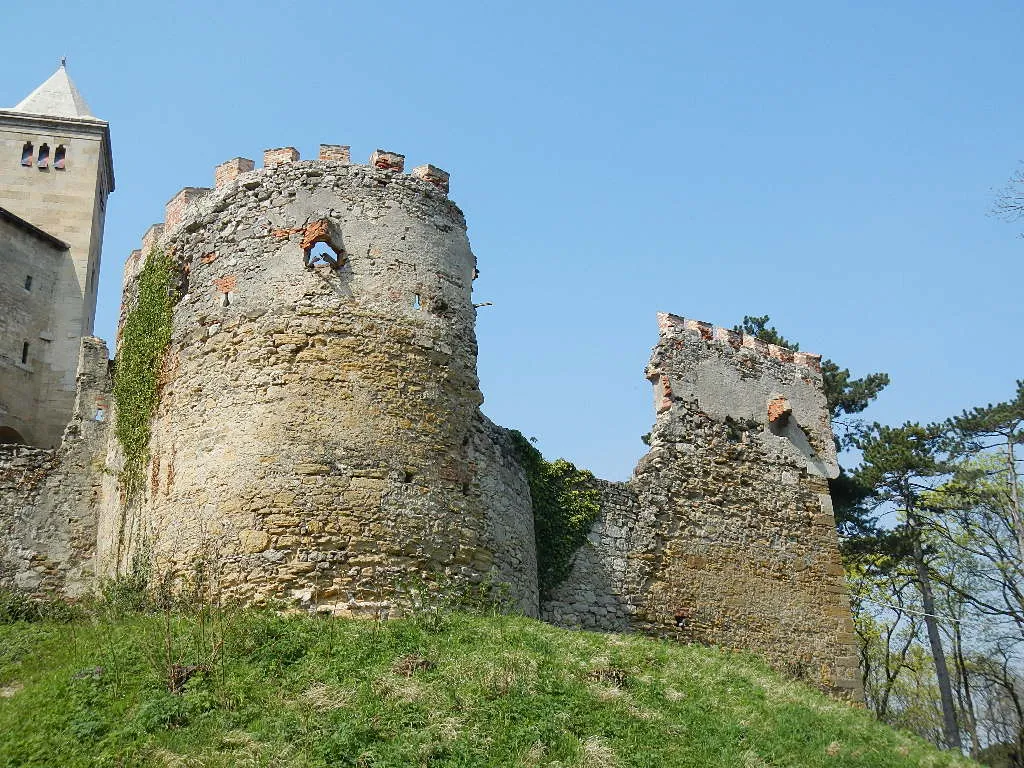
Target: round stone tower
{"points": [[318, 434]]}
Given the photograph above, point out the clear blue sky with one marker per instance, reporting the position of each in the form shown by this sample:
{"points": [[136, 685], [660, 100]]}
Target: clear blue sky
{"points": [[829, 164]]}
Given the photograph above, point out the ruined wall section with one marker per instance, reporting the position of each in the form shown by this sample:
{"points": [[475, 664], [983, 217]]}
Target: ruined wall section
{"points": [[498, 485], [318, 435], [48, 498], [725, 535]]}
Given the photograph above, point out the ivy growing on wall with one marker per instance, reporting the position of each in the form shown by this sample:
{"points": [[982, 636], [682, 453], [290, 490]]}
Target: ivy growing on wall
{"points": [[566, 502], [144, 338]]}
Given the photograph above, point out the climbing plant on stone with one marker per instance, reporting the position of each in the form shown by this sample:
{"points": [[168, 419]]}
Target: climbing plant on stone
{"points": [[144, 338], [566, 502]]}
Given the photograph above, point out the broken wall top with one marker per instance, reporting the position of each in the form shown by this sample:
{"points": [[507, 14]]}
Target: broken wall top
{"points": [[762, 391]]}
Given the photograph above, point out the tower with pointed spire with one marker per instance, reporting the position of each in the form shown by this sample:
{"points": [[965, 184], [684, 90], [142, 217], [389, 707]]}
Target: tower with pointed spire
{"points": [[56, 172]]}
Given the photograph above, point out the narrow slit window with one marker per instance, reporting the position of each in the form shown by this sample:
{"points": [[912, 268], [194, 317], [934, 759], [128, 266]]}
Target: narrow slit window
{"points": [[28, 282], [416, 301], [26, 154], [24, 353], [92, 279], [60, 157], [44, 156]]}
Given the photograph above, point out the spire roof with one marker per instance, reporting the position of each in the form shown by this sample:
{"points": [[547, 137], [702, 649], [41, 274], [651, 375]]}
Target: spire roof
{"points": [[57, 97]]}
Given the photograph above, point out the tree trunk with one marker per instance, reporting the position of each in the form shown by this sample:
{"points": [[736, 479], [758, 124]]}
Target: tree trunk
{"points": [[950, 729], [1016, 516], [967, 704]]}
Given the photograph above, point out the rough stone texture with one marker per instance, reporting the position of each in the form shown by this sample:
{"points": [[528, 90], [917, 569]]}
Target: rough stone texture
{"points": [[275, 157], [387, 161], [68, 202], [231, 170], [318, 438], [318, 434], [176, 207], [47, 497], [339, 153], [725, 534], [433, 174]]}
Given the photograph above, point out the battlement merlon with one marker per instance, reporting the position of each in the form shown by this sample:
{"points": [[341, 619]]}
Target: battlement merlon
{"points": [[669, 324], [754, 387], [174, 212], [231, 169]]}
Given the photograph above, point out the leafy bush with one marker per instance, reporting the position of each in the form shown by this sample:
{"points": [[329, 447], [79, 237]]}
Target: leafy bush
{"points": [[15, 605], [566, 502]]}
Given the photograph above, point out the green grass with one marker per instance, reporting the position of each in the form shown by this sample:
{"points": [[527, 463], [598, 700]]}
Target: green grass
{"points": [[467, 690]]}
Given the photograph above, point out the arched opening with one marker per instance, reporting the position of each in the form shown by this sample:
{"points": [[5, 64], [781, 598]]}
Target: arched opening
{"points": [[320, 248], [10, 436], [44, 156], [322, 255], [60, 157], [27, 154]]}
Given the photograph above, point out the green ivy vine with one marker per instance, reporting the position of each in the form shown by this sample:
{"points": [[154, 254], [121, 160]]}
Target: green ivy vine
{"points": [[144, 338], [566, 502]]}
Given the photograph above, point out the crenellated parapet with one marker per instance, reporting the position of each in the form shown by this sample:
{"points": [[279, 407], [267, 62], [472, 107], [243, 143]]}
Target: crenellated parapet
{"points": [[759, 389], [670, 325], [185, 203]]}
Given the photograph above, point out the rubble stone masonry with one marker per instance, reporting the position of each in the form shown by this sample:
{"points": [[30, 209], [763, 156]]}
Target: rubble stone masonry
{"points": [[318, 439], [318, 435], [725, 534]]}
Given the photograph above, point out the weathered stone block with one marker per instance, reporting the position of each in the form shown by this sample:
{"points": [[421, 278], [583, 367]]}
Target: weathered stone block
{"points": [[387, 161], [275, 157], [230, 170]]}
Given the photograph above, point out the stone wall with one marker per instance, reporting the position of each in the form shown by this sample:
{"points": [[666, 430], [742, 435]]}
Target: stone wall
{"points": [[318, 435], [318, 439], [48, 497], [725, 534], [30, 262]]}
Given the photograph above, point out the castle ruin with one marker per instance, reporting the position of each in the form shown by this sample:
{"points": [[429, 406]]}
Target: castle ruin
{"points": [[317, 436]]}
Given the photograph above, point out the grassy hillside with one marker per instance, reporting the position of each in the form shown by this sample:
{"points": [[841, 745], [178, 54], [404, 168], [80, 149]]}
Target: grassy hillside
{"points": [[260, 689]]}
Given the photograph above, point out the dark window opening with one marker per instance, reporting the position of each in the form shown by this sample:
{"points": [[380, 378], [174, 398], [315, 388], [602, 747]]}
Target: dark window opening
{"points": [[26, 154], [322, 254], [44, 156], [60, 157], [225, 300], [24, 353], [28, 282], [92, 280]]}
